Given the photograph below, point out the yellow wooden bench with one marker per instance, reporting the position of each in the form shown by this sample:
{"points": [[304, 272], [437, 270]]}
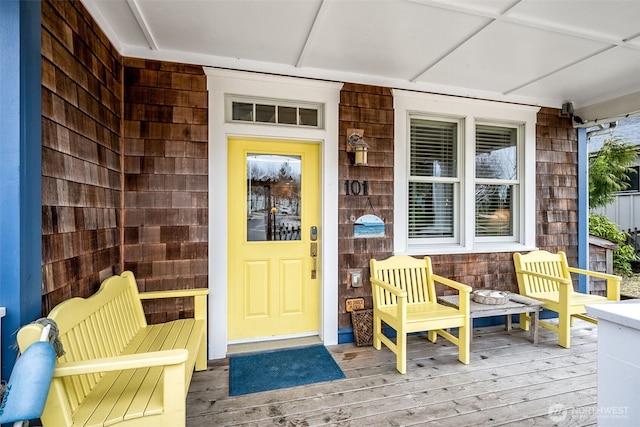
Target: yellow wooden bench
{"points": [[404, 298], [117, 369], [547, 277]]}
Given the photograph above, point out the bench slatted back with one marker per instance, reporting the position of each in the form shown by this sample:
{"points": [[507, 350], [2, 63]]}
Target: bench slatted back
{"points": [[407, 273], [540, 262], [96, 327]]}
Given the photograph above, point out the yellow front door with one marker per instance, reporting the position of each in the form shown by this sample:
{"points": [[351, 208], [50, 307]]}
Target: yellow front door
{"points": [[273, 203]]}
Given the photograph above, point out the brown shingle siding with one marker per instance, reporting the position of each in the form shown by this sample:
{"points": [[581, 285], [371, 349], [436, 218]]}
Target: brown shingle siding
{"points": [[166, 184], [369, 108], [557, 189], [81, 116]]}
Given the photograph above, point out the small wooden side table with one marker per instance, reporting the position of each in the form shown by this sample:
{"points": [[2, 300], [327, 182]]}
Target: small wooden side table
{"points": [[517, 304]]}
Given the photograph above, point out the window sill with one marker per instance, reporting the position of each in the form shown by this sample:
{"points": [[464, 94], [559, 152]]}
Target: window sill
{"points": [[476, 249]]}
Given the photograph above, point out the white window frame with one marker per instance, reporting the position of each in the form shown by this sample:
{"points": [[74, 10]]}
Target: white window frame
{"points": [[516, 184], [455, 181], [231, 98], [469, 112]]}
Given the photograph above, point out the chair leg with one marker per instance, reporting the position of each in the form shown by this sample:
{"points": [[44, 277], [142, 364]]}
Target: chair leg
{"points": [[401, 349], [464, 343], [564, 329], [432, 336], [525, 321], [377, 331], [201, 360]]}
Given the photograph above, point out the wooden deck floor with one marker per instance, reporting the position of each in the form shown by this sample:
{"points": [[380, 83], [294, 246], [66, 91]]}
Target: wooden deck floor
{"points": [[510, 381]]}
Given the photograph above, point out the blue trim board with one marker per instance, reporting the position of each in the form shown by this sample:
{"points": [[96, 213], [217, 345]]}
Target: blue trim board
{"points": [[583, 208], [21, 171], [345, 335]]}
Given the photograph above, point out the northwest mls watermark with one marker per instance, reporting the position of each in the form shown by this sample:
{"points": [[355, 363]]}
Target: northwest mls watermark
{"points": [[558, 412]]}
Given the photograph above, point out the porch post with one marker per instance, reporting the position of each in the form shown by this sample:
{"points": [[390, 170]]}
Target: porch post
{"points": [[21, 171], [583, 208]]}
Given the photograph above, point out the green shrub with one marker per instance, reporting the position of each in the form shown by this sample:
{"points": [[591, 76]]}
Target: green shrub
{"points": [[601, 226], [609, 170]]}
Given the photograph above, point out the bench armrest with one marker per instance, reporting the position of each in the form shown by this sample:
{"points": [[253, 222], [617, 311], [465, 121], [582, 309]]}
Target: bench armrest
{"points": [[594, 274], [178, 293], [561, 280], [120, 363], [401, 298], [613, 281], [389, 288], [464, 291], [199, 303], [451, 283], [565, 286]]}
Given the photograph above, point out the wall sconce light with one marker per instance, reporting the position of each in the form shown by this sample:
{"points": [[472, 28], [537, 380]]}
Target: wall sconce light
{"points": [[355, 143]]}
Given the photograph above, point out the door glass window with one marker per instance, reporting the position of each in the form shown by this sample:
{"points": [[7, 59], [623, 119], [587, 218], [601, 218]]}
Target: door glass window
{"points": [[273, 197]]}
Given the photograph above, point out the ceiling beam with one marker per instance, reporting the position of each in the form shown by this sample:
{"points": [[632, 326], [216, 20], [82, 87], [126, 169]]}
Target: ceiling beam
{"points": [[611, 110], [142, 23], [559, 69], [313, 31]]}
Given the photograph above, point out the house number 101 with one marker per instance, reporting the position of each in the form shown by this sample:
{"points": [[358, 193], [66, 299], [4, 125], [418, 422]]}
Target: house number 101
{"points": [[356, 188]]}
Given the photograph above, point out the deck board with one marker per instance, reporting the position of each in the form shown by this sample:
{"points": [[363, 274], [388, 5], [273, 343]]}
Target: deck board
{"points": [[510, 381]]}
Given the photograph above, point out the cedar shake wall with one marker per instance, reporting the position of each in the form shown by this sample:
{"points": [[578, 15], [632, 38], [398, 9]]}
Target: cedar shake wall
{"points": [[165, 187], [557, 184], [81, 179], [371, 108], [163, 155]]}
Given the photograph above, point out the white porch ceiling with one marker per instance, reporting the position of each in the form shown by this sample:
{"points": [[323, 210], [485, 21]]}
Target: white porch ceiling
{"points": [[540, 52]]}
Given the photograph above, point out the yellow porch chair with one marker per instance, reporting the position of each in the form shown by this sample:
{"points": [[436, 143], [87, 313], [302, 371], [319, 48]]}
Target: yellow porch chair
{"points": [[547, 277], [404, 298]]}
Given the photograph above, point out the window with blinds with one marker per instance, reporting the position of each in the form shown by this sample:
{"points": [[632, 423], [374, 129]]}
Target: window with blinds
{"points": [[433, 178], [464, 175], [496, 182]]}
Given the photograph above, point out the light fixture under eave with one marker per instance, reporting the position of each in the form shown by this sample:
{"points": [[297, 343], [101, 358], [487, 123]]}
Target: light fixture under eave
{"points": [[568, 110], [356, 143]]}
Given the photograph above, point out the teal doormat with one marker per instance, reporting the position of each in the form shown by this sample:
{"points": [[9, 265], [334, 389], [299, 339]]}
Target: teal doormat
{"points": [[281, 369]]}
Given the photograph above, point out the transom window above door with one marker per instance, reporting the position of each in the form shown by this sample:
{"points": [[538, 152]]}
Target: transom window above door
{"points": [[273, 111]]}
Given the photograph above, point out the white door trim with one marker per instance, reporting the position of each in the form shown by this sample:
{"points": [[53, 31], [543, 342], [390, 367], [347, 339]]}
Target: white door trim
{"points": [[219, 83]]}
